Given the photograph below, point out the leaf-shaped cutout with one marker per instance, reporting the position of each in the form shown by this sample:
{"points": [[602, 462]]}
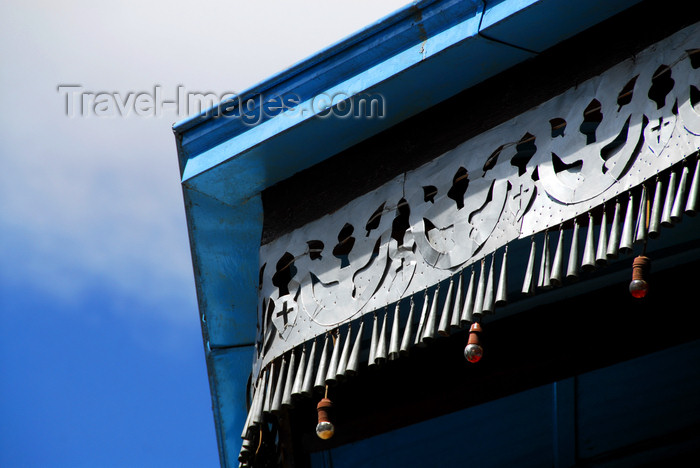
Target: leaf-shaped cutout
{"points": [[460, 183], [591, 120], [661, 85]]}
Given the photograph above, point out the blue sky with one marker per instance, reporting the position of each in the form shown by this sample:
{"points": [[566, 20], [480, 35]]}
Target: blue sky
{"points": [[101, 359]]}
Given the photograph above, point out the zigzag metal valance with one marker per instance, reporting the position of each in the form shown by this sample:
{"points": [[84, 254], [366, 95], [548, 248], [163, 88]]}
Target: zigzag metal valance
{"points": [[617, 155]]}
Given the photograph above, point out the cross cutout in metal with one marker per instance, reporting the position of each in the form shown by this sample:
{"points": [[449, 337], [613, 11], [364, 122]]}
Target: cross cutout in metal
{"points": [[284, 312]]}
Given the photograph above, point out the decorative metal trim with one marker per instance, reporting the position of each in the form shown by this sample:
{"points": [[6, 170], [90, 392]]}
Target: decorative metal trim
{"points": [[574, 154]]}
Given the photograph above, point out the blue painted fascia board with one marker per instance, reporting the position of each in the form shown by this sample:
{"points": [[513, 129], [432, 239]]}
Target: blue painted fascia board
{"points": [[228, 371], [225, 243]]}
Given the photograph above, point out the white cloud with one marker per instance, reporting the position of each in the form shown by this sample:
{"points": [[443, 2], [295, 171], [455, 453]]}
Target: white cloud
{"points": [[90, 201]]}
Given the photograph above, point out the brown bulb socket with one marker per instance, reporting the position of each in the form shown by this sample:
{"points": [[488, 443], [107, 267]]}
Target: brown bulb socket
{"points": [[640, 268], [323, 409], [474, 331]]}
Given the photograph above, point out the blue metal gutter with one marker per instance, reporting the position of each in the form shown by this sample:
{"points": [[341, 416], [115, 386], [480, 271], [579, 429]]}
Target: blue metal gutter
{"points": [[413, 59]]}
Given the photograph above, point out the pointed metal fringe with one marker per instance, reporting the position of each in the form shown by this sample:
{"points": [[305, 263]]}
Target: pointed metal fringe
{"points": [[601, 258], [354, 360], [248, 420], [267, 401], [691, 208], [544, 281], [431, 320], [468, 307], [407, 331], [284, 379], [572, 269], [249, 423], [666, 220], [421, 323], [641, 234], [614, 241], [320, 382], [628, 226], [332, 370], [247, 446], [588, 262], [380, 356], [394, 341], [679, 201], [279, 387], [529, 282], [557, 276], [245, 454], [288, 381], [345, 354], [255, 414], [299, 376], [457, 305], [444, 327], [656, 207], [502, 290], [374, 339], [488, 307], [480, 290], [307, 386], [257, 417]]}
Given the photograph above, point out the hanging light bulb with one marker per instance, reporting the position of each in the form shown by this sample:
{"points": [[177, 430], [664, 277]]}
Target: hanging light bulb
{"points": [[325, 428], [473, 351], [640, 268]]}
